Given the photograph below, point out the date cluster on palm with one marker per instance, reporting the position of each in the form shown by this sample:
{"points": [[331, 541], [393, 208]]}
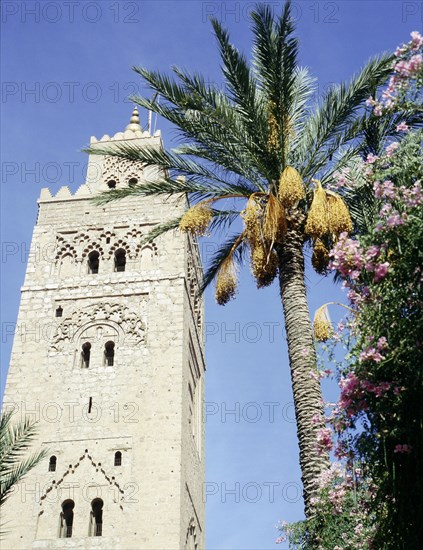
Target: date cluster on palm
{"points": [[226, 282], [322, 326], [197, 219], [328, 217], [266, 219]]}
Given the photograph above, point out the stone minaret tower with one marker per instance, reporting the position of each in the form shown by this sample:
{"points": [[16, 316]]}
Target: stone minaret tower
{"points": [[108, 357]]}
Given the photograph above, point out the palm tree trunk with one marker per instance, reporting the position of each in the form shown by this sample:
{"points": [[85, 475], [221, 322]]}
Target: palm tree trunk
{"points": [[302, 359]]}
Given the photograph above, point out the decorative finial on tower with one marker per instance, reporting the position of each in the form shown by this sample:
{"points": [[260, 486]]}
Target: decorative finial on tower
{"points": [[134, 124]]}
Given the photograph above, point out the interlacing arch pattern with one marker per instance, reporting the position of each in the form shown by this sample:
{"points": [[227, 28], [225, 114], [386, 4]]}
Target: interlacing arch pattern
{"points": [[107, 243], [121, 171], [93, 247], [65, 250], [149, 246], [122, 245]]}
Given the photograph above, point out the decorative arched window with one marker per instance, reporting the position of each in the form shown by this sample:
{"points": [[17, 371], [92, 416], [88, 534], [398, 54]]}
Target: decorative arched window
{"points": [[133, 182], [66, 519], [96, 523], [85, 355], [93, 262], [118, 458], [120, 260], [111, 184], [109, 354], [52, 464]]}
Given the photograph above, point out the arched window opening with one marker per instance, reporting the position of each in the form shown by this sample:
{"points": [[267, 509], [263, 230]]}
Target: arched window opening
{"points": [[109, 354], [133, 182], [96, 524], [111, 184], [120, 260], [52, 464], [93, 262], [66, 519], [59, 312], [118, 458], [85, 355]]}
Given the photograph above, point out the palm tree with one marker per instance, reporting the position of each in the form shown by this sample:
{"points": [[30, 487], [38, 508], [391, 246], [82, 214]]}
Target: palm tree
{"points": [[14, 442], [261, 146]]}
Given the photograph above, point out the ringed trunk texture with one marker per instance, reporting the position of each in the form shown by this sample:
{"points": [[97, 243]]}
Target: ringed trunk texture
{"points": [[302, 359]]}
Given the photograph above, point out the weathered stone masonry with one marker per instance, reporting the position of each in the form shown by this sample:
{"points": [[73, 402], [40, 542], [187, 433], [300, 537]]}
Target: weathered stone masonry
{"points": [[108, 356]]}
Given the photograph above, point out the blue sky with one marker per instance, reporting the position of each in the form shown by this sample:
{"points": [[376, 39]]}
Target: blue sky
{"points": [[66, 74]]}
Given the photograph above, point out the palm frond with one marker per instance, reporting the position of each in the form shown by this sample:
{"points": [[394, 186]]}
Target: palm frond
{"points": [[222, 253], [304, 87], [170, 187], [221, 219], [173, 162], [162, 228], [362, 206], [337, 112], [378, 129], [221, 111], [223, 136], [342, 160], [14, 442], [240, 82], [275, 58]]}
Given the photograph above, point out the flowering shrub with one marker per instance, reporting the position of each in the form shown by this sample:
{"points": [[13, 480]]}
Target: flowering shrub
{"points": [[406, 81], [382, 385], [342, 513]]}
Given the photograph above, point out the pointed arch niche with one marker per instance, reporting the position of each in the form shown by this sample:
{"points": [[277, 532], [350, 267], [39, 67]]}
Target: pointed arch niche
{"points": [[148, 255], [103, 341], [67, 266]]}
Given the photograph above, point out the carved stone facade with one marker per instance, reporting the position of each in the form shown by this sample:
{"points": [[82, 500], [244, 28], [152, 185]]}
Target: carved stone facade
{"points": [[108, 357]]}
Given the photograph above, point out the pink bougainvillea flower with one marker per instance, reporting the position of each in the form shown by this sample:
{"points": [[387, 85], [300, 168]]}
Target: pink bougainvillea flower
{"points": [[395, 220], [390, 150], [371, 158], [382, 343], [371, 354], [324, 439], [384, 190], [403, 448], [415, 64], [402, 127], [372, 252], [381, 270], [316, 419], [377, 111], [385, 210], [416, 40]]}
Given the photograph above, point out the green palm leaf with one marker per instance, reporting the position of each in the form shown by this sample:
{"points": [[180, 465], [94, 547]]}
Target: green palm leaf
{"points": [[14, 443]]}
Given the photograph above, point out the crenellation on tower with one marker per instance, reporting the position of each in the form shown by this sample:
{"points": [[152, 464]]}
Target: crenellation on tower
{"points": [[108, 355]]}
